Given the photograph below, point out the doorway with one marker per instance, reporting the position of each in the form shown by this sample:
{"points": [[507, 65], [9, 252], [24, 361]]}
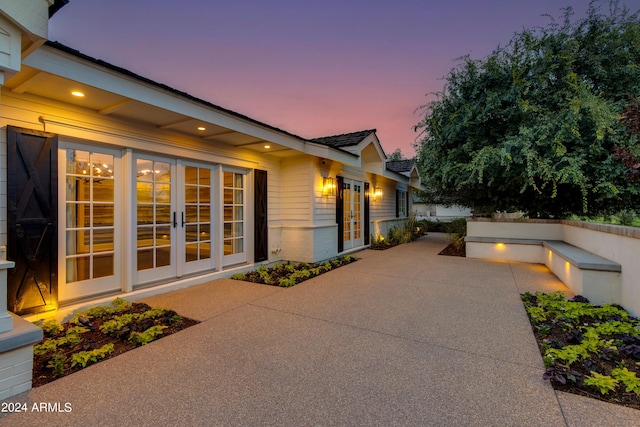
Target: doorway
{"points": [[352, 202]]}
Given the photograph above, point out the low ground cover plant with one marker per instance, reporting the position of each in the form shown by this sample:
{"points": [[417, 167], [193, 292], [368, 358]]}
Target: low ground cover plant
{"points": [[587, 349], [291, 273], [99, 333]]}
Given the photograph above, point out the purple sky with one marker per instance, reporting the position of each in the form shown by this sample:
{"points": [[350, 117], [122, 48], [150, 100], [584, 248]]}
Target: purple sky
{"points": [[313, 68]]}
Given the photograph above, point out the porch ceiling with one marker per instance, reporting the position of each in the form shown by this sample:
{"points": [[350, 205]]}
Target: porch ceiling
{"points": [[46, 85]]}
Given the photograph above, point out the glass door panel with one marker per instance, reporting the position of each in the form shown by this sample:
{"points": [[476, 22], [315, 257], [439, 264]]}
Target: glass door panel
{"points": [[357, 220], [347, 213], [352, 213], [90, 199], [195, 218], [155, 219], [233, 217]]}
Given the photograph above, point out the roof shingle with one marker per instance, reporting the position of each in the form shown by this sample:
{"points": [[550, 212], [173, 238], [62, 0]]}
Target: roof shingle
{"points": [[400, 165], [344, 140]]}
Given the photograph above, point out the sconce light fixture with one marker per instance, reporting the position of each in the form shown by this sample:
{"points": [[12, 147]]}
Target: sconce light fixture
{"points": [[377, 193], [328, 187]]}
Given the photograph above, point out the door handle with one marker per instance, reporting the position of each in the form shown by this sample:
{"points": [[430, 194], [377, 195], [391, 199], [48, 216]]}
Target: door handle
{"points": [[175, 223], [182, 219]]}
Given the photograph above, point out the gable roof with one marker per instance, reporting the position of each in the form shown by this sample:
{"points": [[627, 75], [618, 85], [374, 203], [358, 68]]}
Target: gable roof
{"points": [[344, 140], [400, 165]]}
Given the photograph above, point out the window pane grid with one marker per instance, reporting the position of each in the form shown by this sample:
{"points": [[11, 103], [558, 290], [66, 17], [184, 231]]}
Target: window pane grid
{"points": [[90, 207], [198, 213], [153, 211], [233, 210]]}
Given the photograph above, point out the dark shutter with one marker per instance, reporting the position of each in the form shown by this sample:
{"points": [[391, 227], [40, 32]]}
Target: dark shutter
{"points": [[397, 203], [407, 211], [32, 179], [367, 225], [260, 229], [340, 212]]}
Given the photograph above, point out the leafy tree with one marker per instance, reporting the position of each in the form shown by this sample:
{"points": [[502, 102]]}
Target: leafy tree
{"points": [[630, 156], [533, 126], [396, 155]]}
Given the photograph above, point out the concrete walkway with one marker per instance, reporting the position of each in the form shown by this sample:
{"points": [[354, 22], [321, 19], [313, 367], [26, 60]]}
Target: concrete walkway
{"points": [[401, 337]]}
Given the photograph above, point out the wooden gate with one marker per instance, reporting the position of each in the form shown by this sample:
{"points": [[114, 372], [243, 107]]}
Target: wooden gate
{"points": [[32, 242]]}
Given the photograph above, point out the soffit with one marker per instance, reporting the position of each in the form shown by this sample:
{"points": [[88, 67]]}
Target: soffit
{"points": [[58, 88]]}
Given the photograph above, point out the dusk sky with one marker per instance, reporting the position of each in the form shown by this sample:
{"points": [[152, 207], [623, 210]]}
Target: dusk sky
{"points": [[312, 68]]}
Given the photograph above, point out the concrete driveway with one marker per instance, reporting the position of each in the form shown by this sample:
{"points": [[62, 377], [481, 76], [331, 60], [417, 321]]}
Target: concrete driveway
{"points": [[400, 337]]}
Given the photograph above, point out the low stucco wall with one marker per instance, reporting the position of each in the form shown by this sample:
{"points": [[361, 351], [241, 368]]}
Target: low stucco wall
{"points": [[539, 229], [616, 243]]}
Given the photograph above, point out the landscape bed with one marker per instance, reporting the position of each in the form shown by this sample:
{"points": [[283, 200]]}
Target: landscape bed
{"points": [[97, 334], [291, 273], [588, 350]]}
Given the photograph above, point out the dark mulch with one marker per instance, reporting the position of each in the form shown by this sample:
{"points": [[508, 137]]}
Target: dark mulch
{"points": [[556, 335], [383, 246], [453, 250], [95, 339]]}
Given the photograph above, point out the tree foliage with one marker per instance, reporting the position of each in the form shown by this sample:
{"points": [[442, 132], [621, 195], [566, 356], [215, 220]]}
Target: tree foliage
{"points": [[396, 155], [533, 126], [630, 156]]}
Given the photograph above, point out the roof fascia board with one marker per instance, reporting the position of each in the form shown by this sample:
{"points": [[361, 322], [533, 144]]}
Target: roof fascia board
{"points": [[396, 176], [327, 152]]}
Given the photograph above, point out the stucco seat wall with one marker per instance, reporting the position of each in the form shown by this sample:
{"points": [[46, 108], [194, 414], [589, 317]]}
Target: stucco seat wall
{"points": [[592, 259]]}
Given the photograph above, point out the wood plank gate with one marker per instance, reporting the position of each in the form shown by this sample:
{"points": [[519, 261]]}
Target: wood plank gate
{"points": [[32, 242]]}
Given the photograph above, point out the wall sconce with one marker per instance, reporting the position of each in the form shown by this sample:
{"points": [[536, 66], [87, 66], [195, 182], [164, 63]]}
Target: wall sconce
{"points": [[328, 187], [377, 194]]}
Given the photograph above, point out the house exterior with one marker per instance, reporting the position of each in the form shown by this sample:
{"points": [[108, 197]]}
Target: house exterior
{"points": [[115, 184], [112, 184]]}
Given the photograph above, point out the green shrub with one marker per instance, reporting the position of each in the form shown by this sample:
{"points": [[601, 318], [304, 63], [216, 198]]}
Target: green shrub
{"points": [[50, 327], [57, 364], [626, 217], [435, 226], [83, 358], [457, 230], [142, 338]]}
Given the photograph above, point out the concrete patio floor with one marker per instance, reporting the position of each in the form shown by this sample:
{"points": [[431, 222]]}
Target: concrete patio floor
{"points": [[401, 337]]}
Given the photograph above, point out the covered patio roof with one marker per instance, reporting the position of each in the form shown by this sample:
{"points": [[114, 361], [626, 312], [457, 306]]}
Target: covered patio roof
{"points": [[55, 71]]}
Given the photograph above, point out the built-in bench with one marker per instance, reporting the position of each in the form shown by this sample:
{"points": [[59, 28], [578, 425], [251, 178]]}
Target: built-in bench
{"points": [[584, 272]]}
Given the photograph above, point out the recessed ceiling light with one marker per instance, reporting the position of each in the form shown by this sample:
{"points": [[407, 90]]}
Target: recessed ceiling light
{"points": [[201, 128], [267, 146], [77, 93]]}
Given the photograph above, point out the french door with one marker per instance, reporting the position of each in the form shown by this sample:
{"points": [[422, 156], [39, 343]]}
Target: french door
{"points": [[174, 215], [352, 199], [90, 203]]}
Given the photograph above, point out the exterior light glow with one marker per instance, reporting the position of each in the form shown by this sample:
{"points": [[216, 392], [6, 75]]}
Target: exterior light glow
{"points": [[328, 187], [77, 93], [267, 146], [377, 194], [201, 128]]}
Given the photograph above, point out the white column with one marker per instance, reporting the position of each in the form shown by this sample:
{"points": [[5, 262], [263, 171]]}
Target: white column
{"points": [[6, 321]]}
